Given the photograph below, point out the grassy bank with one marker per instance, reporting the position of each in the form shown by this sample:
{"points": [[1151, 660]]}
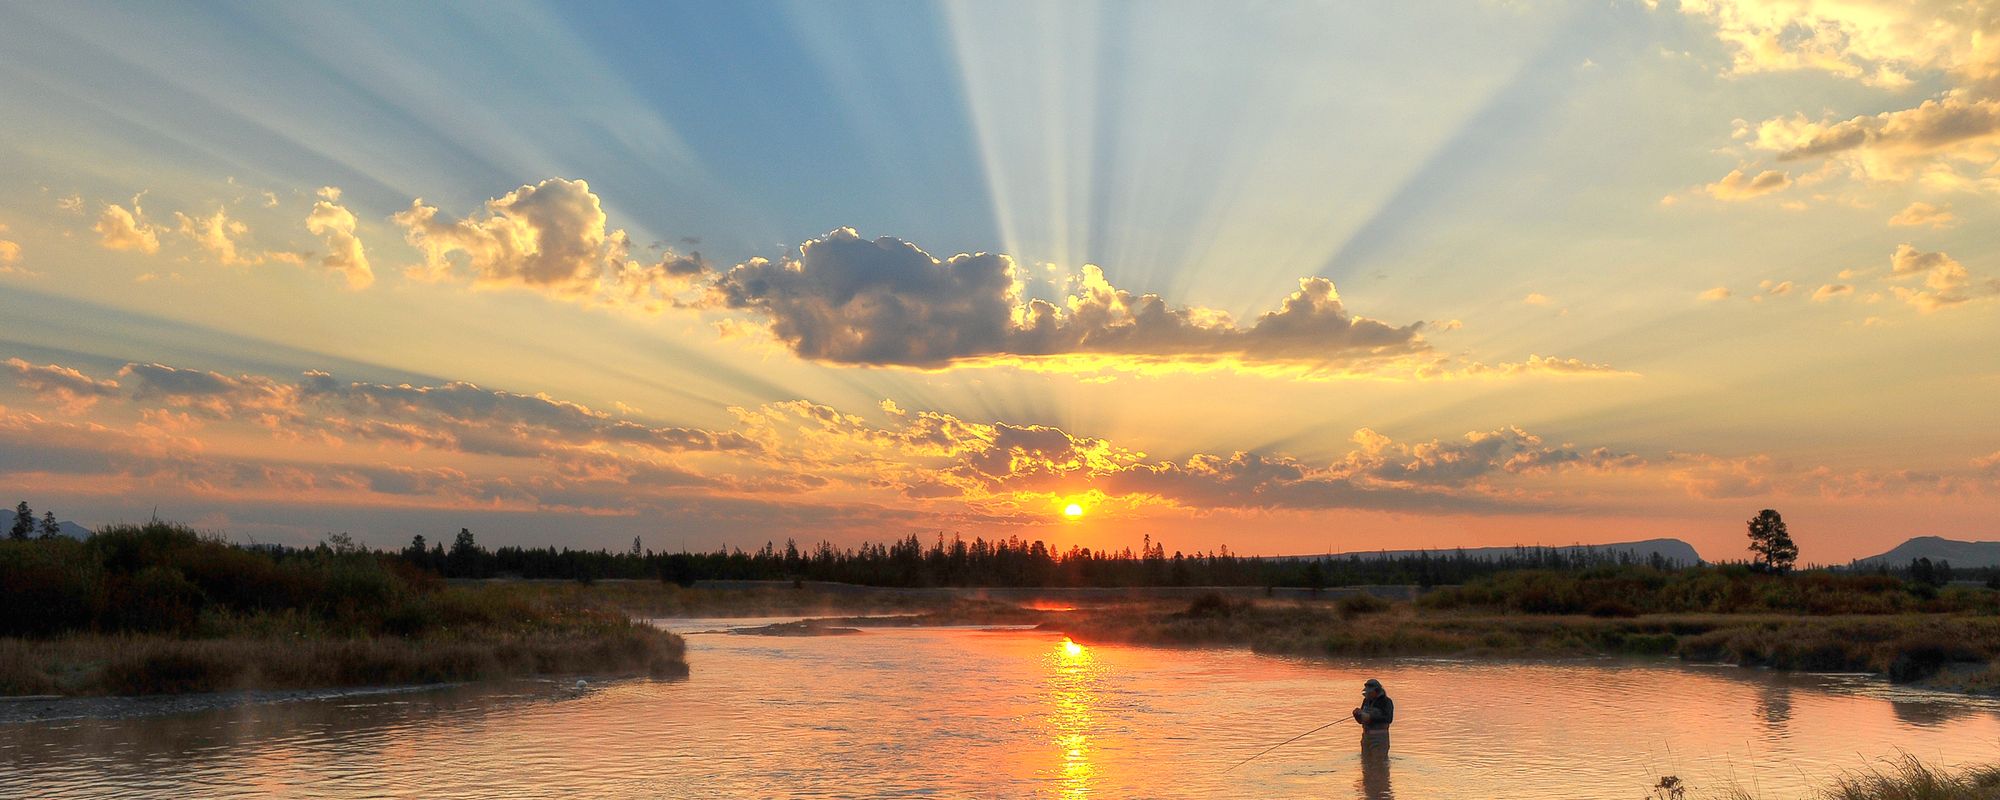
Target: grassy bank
{"points": [[1903, 779], [1911, 779], [1953, 651], [659, 599], [160, 609]]}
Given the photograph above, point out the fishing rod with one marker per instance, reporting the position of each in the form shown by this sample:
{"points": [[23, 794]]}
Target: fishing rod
{"points": [[1285, 742]]}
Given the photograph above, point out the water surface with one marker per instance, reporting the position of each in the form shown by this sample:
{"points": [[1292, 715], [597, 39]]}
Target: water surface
{"points": [[956, 712]]}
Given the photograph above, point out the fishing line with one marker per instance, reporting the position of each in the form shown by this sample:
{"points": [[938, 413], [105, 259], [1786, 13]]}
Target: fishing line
{"points": [[1285, 742]]}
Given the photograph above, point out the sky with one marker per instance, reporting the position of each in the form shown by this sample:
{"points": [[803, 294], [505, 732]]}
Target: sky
{"points": [[1283, 277]]}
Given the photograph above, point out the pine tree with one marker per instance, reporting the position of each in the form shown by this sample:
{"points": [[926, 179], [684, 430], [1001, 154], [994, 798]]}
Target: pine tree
{"points": [[465, 556], [24, 522], [50, 529], [1771, 547]]}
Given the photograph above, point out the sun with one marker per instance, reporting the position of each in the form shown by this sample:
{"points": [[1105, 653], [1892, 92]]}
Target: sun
{"points": [[1073, 511]]}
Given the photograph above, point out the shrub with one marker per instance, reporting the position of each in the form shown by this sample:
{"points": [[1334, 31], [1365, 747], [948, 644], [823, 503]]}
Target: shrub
{"points": [[1613, 608], [48, 587], [154, 600], [1210, 605], [1359, 603]]}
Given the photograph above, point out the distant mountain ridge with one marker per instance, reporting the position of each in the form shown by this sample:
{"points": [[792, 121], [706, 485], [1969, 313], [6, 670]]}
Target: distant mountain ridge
{"points": [[1937, 548], [1672, 550]]}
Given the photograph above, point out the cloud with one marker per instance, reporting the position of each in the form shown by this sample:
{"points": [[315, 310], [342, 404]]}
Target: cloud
{"points": [[454, 416], [1710, 477], [118, 229], [1892, 145], [10, 255], [335, 225], [1738, 186], [1945, 281], [68, 389], [1544, 365], [1537, 299], [935, 455], [550, 237], [1775, 288], [844, 300], [1881, 43], [216, 234], [847, 300], [1921, 213], [1715, 294], [1874, 41], [1990, 465], [1477, 455], [171, 431], [1941, 271], [1832, 290]]}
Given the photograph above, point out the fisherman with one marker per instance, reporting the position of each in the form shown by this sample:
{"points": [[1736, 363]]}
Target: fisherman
{"points": [[1377, 710]]}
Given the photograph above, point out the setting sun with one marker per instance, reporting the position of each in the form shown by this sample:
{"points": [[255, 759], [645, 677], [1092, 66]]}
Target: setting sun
{"points": [[1073, 511]]}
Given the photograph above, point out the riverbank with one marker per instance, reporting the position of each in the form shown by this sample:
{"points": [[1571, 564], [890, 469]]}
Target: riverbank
{"points": [[131, 665], [1957, 652], [161, 609]]}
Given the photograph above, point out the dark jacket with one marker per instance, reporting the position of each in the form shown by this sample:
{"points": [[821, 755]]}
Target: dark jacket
{"points": [[1381, 708]]}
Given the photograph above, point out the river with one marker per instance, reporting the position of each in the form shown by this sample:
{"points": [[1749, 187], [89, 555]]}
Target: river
{"points": [[1015, 713]]}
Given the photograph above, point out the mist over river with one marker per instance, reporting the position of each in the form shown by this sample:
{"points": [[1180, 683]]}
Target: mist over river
{"points": [[1013, 713]]}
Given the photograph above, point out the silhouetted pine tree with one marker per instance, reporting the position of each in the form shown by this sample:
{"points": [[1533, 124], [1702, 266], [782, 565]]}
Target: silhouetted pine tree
{"points": [[1771, 547], [24, 522]]}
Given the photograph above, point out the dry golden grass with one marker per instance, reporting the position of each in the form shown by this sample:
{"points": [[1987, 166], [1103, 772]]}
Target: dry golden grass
{"points": [[151, 664], [1963, 648]]}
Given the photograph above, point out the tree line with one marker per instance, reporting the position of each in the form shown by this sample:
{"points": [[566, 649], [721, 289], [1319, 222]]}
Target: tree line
{"points": [[956, 562]]}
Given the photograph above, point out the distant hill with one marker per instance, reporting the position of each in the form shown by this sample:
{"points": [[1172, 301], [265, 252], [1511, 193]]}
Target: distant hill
{"points": [[1937, 548], [68, 528], [1673, 550]]}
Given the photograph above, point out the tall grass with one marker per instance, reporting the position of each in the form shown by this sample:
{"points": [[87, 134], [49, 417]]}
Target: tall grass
{"points": [[1953, 650], [1910, 779], [1904, 778]]}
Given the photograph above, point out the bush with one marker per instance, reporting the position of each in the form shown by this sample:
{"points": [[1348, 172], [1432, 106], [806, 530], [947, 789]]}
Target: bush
{"points": [[1359, 603], [1613, 609], [155, 600], [48, 587], [1210, 605]]}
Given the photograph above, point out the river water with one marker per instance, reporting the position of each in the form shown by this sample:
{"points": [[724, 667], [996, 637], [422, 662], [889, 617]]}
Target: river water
{"points": [[1015, 713]]}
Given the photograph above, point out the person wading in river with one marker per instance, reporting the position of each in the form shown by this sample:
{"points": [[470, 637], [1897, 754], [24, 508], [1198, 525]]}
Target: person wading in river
{"points": [[1377, 710]]}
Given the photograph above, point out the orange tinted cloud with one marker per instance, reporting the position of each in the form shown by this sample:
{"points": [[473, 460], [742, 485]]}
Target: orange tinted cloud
{"points": [[456, 445]]}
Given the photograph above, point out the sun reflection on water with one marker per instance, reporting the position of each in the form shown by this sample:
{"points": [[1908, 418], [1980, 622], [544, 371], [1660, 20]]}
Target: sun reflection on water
{"points": [[1073, 677]]}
